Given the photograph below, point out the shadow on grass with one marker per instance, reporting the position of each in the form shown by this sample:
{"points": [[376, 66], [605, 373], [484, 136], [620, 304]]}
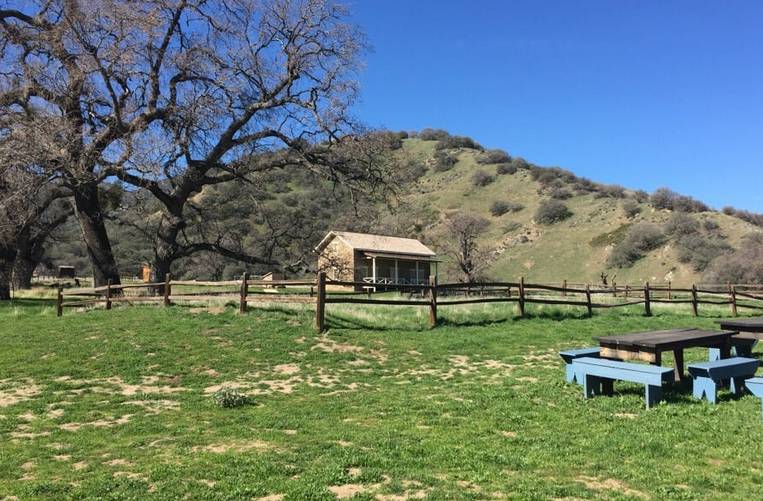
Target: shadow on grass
{"points": [[29, 301]]}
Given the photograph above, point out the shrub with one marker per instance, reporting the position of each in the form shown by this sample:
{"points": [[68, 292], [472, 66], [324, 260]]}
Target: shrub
{"points": [[552, 211], [699, 251], [499, 207], [506, 169], [493, 157], [681, 224], [743, 266], [663, 198], [433, 134], [452, 142], [512, 226], [482, 178], [710, 225], [559, 193], [641, 196], [610, 191], [729, 210], [641, 238], [520, 163], [444, 161], [228, 398], [631, 208]]}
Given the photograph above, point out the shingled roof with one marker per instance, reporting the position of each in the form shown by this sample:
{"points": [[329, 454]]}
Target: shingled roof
{"points": [[377, 243]]}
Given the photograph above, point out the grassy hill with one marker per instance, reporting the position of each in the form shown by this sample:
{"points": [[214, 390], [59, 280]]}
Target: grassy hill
{"points": [[576, 249]]}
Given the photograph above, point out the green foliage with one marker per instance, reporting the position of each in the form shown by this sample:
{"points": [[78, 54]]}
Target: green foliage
{"points": [[610, 191], [611, 237], [641, 238], [699, 251], [552, 211], [228, 398]]}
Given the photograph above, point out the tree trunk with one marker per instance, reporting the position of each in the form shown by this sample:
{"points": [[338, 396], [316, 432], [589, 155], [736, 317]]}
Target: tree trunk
{"points": [[7, 257], [25, 262], [23, 269], [91, 221], [166, 251]]}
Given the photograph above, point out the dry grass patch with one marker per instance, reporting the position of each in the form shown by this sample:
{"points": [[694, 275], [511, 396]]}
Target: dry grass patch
{"points": [[13, 392]]}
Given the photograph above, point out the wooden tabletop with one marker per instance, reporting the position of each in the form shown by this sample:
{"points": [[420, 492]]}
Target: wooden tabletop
{"points": [[752, 324], [672, 339]]}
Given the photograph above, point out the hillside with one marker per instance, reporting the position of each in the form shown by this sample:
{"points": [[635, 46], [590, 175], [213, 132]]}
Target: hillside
{"points": [[576, 249]]}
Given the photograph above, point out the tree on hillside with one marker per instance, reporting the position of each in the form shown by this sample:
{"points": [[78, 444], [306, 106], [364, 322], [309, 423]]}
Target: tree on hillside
{"points": [[174, 95], [460, 242], [743, 266]]}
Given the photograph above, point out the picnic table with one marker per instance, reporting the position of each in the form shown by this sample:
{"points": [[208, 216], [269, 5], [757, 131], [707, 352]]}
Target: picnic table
{"points": [[649, 346], [748, 328]]}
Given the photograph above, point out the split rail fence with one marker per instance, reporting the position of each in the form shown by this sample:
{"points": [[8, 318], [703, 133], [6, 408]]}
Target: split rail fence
{"points": [[432, 296]]}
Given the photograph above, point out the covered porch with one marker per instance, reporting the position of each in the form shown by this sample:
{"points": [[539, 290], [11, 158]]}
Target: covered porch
{"points": [[393, 269]]}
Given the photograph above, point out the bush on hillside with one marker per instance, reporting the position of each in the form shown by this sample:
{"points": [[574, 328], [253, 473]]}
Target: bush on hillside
{"points": [[482, 178], [631, 208], [710, 225], [452, 142], [500, 207], [641, 196], [552, 211], [520, 163], [509, 168], [610, 191], [664, 198], [699, 251], [493, 157], [729, 210], [444, 161], [433, 134], [559, 193], [641, 238], [681, 224], [743, 266]]}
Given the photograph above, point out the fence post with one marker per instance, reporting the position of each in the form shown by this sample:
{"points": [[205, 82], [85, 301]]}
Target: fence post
{"points": [[564, 286], [432, 301], [627, 290], [734, 300], [320, 303], [521, 302], [614, 289], [60, 301], [108, 294], [694, 299], [244, 292], [647, 304], [670, 289], [588, 299], [167, 289]]}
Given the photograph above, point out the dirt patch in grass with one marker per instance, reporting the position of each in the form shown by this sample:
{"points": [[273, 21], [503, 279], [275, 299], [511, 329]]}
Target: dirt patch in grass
{"points": [[348, 490], [154, 407], [287, 369], [609, 484], [212, 310], [235, 446], [271, 497], [13, 392]]}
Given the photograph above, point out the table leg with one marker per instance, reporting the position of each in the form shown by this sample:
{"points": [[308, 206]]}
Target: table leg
{"points": [[726, 348], [678, 355], [658, 358]]}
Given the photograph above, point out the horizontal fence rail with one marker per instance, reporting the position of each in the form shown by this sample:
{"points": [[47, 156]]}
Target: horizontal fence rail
{"points": [[324, 291]]}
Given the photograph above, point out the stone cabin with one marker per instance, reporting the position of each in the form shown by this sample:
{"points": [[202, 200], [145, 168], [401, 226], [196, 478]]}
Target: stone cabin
{"points": [[375, 259]]}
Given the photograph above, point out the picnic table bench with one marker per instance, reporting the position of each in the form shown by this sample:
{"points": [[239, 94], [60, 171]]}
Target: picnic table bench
{"points": [[708, 375], [598, 375], [569, 355], [750, 331]]}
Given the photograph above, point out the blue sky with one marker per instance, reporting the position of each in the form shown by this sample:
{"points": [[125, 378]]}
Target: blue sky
{"points": [[639, 93]]}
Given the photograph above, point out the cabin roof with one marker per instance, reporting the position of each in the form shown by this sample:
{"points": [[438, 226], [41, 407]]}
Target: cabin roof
{"points": [[377, 243]]}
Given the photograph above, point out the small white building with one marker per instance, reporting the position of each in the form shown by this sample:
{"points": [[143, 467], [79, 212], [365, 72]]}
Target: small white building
{"points": [[375, 259]]}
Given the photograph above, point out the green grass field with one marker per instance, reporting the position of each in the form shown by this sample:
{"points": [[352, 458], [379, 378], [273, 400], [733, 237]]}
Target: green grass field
{"points": [[118, 405]]}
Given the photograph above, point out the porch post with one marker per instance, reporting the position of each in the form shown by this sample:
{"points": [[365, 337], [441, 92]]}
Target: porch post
{"points": [[373, 269], [417, 273], [397, 281]]}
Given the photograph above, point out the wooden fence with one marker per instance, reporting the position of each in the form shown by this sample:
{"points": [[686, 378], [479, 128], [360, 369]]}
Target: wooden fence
{"points": [[324, 291]]}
